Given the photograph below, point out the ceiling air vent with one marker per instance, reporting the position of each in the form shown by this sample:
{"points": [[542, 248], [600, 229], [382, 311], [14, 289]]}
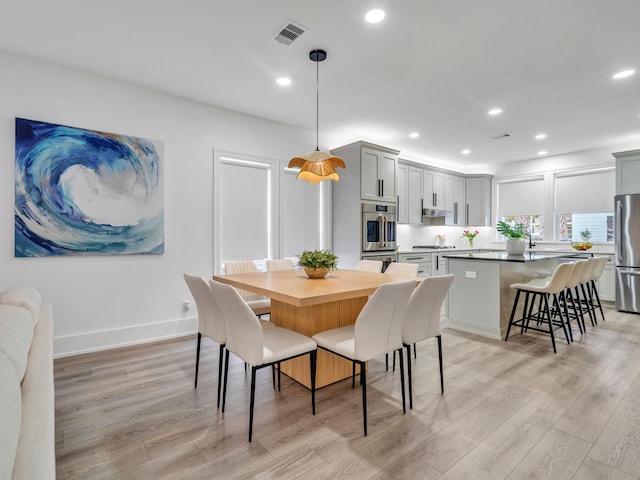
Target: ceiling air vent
{"points": [[289, 32], [501, 136]]}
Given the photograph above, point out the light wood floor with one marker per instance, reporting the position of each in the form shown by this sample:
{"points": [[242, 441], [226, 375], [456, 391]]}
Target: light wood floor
{"points": [[510, 410]]}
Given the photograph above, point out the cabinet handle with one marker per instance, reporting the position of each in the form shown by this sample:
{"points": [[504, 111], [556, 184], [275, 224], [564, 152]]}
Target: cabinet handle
{"points": [[437, 262], [382, 188], [455, 213], [433, 199], [421, 206], [414, 258], [467, 214]]}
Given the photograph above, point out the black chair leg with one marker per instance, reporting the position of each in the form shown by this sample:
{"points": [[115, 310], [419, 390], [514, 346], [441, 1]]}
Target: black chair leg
{"points": [[595, 292], [548, 313], [401, 355], [195, 383], [408, 347], [439, 337], [386, 362], [220, 360], [226, 374], [312, 363], [415, 351], [279, 376], [253, 397], [513, 312], [363, 383]]}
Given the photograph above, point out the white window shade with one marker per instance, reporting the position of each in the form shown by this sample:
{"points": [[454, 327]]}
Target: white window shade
{"points": [[586, 192], [521, 197], [244, 212]]}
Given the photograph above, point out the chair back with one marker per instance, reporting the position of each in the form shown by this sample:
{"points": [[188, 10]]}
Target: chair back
{"points": [[559, 278], [244, 333], [369, 266], [243, 266], [587, 271], [378, 327], [280, 264], [402, 269], [575, 278], [210, 321], [422, 316], [598, 269]]}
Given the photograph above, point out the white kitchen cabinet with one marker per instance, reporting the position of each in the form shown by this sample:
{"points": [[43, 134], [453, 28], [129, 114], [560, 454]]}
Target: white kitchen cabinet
{"points": [[409, 194], [433, 189], [606, 283], [454, 199], [478, 200], [403, 193], [422, 259], [378, 175], [627, 172]]}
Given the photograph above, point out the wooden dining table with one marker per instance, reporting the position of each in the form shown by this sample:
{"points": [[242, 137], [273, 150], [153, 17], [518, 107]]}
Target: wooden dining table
{"points": [[309, 306]]}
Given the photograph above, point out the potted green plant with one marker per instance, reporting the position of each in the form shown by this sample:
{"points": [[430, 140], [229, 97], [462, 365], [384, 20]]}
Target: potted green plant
{"points": [[317, 263], [516, 235], [585, 234]]}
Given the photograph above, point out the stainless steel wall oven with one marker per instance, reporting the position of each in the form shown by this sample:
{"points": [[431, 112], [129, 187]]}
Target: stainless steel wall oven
{"points": [[378, 227]]}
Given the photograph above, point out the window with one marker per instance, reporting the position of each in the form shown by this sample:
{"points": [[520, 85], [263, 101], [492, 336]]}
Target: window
{"points": [[584, 201], [600, 225], [521, 200]]}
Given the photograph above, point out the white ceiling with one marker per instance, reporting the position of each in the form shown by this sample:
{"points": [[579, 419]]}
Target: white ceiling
{"points": [[432, 66]]}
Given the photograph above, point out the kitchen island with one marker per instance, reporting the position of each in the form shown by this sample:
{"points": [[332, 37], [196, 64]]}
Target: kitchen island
{"points": [[480, 298]]}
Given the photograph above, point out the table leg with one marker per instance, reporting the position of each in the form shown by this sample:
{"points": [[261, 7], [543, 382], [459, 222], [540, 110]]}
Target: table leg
{"points": [[309, 321]]}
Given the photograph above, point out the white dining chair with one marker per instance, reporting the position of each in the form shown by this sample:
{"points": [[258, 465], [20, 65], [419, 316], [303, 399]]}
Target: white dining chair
{"points": [[256, 346], [274, 265], [409, 270], [210, 322], [377, 331], [369, 266], [422, 320], [259, 304]]}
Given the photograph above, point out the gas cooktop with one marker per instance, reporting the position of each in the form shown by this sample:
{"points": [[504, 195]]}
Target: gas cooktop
{"points": [[434, 247]]}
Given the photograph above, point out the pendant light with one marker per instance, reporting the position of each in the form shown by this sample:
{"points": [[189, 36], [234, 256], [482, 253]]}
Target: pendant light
{"points": [[317, 166]]}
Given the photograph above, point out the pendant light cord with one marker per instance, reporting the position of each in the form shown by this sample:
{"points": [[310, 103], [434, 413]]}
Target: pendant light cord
{"points": [[317, 101]]}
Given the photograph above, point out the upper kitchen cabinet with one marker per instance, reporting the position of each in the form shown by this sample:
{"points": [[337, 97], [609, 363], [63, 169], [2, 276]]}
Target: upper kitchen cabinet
{"points": [[378, 175], [433, 189], [409, 194], [454, 199], [478, 200], [627, 172], [374, 167]]}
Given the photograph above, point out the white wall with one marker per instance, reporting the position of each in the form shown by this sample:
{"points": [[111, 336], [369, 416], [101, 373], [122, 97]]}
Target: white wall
{"points": [[101, 302]]}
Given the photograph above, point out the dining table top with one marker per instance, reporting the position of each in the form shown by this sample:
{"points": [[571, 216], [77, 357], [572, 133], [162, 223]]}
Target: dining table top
{"points": [[295, 288]]}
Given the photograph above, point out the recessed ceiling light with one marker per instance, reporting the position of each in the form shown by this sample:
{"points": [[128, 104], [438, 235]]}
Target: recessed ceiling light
{"points": [[466, 151], [283, 81], [623, 74], [540, 136], [414, 135], [374, 16], [495, 111], [542, 152]]}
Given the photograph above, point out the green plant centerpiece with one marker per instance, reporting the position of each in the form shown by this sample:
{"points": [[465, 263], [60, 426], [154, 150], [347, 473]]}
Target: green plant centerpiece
{"points": [[317, 263], [516, 235]]}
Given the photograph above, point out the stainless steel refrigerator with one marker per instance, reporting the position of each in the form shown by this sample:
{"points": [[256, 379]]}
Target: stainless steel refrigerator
{"points": [[627, 233]]}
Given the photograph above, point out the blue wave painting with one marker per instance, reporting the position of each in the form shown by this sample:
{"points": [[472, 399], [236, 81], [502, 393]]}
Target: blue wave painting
{"points": [[81, 192]]}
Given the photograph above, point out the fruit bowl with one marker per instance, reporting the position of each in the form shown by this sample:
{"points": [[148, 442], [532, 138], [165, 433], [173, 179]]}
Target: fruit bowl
{"points": [[582, 245]]}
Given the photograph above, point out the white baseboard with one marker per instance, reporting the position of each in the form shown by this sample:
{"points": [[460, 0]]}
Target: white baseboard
{"points": [[66, 346], [475, 329]]}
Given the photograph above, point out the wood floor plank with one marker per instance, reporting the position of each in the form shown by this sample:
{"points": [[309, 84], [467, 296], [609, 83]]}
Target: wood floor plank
{"points": [[510, 410], [557, 456]]}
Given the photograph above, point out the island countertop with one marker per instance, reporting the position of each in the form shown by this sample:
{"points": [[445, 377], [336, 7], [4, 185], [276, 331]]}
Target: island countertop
{"points": [[505, 257]]}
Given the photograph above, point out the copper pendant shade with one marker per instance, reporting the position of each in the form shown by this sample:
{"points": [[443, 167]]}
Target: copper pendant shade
{"points": [[316, 166]]}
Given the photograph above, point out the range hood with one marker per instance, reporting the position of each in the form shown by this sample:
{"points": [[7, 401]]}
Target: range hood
{"points": [[434, 216]]}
